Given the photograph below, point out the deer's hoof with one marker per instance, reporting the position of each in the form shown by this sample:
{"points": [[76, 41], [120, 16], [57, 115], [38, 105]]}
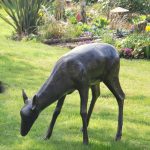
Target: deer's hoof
{"points": [[85, 142], [46, 138], [117, 138]]}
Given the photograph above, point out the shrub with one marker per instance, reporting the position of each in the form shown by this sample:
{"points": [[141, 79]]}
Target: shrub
{"points": [[126, 52], [139, 43], [72, 20], [100, 22], [107, 37], [73, 31], [148, 18], [59, 29], [94, 28], [135, 6], [23, 13], [136, 18], [52, 29], [69, 13]]}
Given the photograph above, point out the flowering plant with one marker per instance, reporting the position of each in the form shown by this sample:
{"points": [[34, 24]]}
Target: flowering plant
{"points": [[127, 52], [147, 29]]}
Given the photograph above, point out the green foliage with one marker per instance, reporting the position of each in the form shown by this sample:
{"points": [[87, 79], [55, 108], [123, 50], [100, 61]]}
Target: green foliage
{"points": [[107, 5], [69, 13], [107, 37], [95, 27], [58, 29], [23, 13], [72, 20], [147, 52], [85, 27], [72, 31], [100, 22], [148, 18], [136, 19], [135, 6], [138, 43], [53, 29], [91, 1]]}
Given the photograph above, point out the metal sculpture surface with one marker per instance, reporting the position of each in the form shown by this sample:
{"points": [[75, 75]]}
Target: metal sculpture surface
{"points": [[80, 69]]}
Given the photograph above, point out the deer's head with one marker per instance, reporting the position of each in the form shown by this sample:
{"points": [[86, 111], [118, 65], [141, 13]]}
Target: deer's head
{"points": [[29, 113]]}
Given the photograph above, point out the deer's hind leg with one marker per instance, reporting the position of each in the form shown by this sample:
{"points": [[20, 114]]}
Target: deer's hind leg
{"points": [[114, 86], [83, 111], [95, 89]]}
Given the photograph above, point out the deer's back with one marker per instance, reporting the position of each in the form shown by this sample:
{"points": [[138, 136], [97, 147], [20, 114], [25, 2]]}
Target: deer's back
{"points": [[93, 61]]}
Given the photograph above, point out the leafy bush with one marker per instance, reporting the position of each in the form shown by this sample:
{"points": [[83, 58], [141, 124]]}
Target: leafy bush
{"points": [[72, 31], [72, 20], [100, 22], [52, 29], [94, 28], [135, 6], [139, 45], [137, 18], [23, 13], [59, 29], [126, 52], [148, 18], [69, 13], [107, 37]]}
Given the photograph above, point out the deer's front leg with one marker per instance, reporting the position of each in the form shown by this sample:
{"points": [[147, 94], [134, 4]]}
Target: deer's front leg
{"points": [[83, 112], [55, 115]]}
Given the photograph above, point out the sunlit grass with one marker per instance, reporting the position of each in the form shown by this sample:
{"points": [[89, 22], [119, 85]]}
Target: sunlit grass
{"points": [[28, 64]]}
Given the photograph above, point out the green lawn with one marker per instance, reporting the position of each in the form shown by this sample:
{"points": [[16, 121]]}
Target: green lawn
{"points": [[28, 64]]}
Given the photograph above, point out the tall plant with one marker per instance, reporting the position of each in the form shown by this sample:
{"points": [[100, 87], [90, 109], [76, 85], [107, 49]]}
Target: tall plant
{"points": [[83, 11], [59, 9], [23, 15]]}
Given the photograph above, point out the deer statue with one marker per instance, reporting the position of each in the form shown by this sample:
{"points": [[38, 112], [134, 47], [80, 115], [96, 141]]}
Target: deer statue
{"points": [[82, 68]]}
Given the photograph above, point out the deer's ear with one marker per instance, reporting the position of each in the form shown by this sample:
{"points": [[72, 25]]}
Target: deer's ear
{"points": [[25, 98], [34, 102]]}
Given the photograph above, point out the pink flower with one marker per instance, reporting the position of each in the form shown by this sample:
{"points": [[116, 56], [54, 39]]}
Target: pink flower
{"points": [[127, 51]]}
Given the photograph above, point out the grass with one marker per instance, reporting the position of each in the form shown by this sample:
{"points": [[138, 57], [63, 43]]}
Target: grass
{"points": [[27, 65]]}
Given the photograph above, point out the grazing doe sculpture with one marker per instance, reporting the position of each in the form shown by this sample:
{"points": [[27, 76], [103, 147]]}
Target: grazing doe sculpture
{"points": [[80, 69]]}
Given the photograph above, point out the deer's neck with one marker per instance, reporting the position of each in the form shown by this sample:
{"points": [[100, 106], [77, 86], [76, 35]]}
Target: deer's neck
{"points": [[50, 92]]}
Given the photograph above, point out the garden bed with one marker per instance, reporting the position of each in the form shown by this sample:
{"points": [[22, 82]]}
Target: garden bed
{"points": [[71, 42]]}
